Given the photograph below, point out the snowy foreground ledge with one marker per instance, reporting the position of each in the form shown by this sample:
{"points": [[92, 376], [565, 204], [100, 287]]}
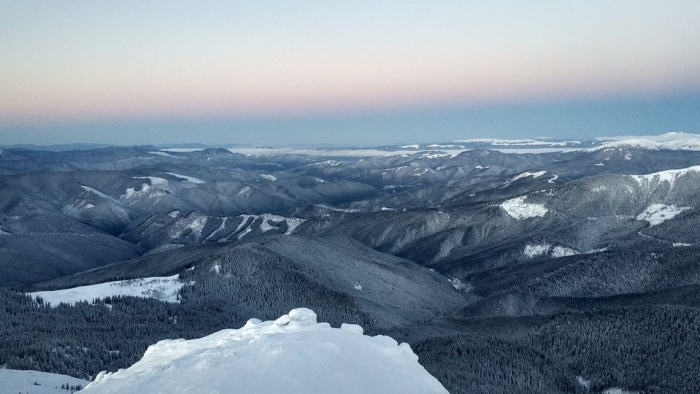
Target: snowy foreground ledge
{"points": [[293, 354]]}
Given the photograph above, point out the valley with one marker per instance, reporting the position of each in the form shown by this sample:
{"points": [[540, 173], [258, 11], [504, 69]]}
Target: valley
{"points": [[508, 266]]}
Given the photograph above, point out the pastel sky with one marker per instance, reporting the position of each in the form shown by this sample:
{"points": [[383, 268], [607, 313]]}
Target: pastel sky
{"points": [[351, 72]]}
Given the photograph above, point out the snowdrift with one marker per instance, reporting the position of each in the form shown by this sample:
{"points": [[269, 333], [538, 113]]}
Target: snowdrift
{"points": [[293, 354]]}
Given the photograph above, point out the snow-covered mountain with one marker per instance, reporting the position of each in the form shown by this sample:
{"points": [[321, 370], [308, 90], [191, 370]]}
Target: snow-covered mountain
{"points": [[673, 140], [293, 354], [480, 253]]}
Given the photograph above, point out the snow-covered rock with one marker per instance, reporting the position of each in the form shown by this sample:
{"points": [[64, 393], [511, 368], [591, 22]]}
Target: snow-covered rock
{"points": [[293, 354]]}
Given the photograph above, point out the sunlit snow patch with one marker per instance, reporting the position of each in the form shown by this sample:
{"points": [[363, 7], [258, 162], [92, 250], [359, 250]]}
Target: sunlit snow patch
{"points": [[518, 209], [293, 354], [164, 288], [659, 213]]}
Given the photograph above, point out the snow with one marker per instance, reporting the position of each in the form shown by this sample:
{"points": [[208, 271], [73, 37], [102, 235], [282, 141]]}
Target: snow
{"points": [[77, 207], [659, 213], [346, 210], [480, 167], [532, 251], [669, 176], [619, 391], [444, 146], [165, 154], [96, 192], [15, 381], [599, 164], [164, 289], [436, 155], [293, 354], [244, 233], [675, 141], [157, 184], [553, 178], [457, 284], [536, 250], [523, 175], [219, 229], [518, 209], [265, 224], [351, 153], [268, 177], [244, 191], [424, 170], [194, 222], [189, 179], [155, 181], [358, 287], [681, 244], [517, 142], [412, 146], [562, 251], [583, 382]]}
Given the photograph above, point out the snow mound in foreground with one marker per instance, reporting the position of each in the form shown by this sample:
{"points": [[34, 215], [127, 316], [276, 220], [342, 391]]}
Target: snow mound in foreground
{"points": [[293, 354]]}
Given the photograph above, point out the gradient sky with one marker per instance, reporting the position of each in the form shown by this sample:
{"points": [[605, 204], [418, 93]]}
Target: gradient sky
{"points": [[356, 72]]}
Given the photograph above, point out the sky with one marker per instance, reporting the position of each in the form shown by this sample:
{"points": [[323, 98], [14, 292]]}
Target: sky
{"points": [[345, 73]]}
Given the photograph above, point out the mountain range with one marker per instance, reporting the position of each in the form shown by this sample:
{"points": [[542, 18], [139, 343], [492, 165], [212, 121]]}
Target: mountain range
{"points": [[509, 266]]}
